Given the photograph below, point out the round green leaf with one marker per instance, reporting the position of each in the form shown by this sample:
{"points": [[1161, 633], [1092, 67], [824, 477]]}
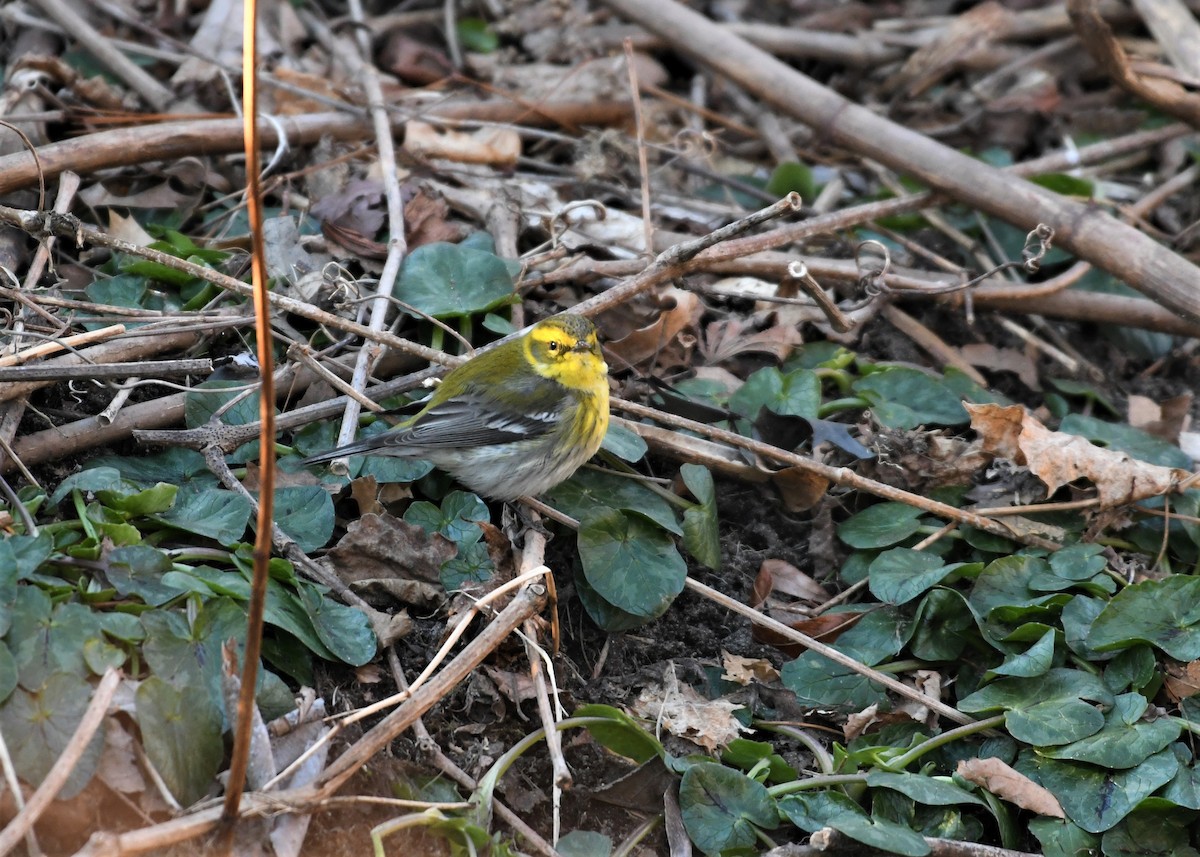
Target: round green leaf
{"points": [[904, 398], [722, 807], [1164, 613], [1126, 740], [305, 512], [449, 280], [880, 526], [629, 562], [181, 731], [901, 574], [38, 725]]}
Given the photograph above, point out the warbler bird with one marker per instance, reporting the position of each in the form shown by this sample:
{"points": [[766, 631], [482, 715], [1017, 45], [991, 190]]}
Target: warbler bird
{"points": [[513, 421]]}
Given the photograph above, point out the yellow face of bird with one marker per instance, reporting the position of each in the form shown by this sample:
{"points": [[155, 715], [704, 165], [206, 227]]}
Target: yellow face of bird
{"points": [[565, 348]]}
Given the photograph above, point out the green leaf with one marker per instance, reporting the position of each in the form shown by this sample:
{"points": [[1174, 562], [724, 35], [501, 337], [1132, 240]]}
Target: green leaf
{"points": [[174, 465], [8, 672], [1184, 788], [901, 574], [880, 526], [812, 812], [91, 480], [475, 35], [305, 512], [589, 489], [621, 734], [1127, 439], [47, 641], [1045, 710], [624, 443], [722, 808], [146, 502], [612, 619], [1149, 831], [456, 519], [629, 562], [1004, 584], [138, 570], [791, 176], [584, 843], [818, 681], [1126, 740], [1034, 661], [1061, 838], [746, 754], [700, 533], [942, 618], [798, 393], [200, 407], [1078, 561], [1096, 798], [345, 630], [450, 280], [923, 789], [1164, 613], [181, 731], [37, 726], [904, 398], [214, 513], [1065, 185]]}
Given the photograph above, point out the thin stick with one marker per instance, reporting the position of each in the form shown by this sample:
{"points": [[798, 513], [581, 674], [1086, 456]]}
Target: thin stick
{"points": [[63, 344], [829, 652]]}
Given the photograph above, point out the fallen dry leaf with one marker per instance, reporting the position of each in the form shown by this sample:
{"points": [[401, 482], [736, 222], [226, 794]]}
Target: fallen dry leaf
{"points": [[745, 670], [684, 713], [681, 311], [1182, 680], [1003, 781], [776, 575], [499, 146], [1058, 458]]}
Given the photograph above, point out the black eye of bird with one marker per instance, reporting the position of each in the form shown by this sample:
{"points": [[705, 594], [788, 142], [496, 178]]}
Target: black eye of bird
{"points": [[552, 345]]}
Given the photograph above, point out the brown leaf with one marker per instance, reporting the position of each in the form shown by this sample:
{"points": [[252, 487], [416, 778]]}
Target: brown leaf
{"points": [[683, 712], [499, 146], [682, 311], [1003, 360], [1003, 781], [1182, 680], [789, 580], [387, 554], [800, 489], [425, 220], [1058, 458], [729, 338], [826, 628], [741, 670]]}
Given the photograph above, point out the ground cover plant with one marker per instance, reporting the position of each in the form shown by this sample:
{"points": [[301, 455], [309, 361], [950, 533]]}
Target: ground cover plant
{"points": [[891, 546]]}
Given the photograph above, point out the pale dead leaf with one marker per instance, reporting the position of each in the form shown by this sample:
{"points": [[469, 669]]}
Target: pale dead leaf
{"points": [[731, 337], [1182, 680], [708, 723], [516, 687], [681, 312], [785, 578], [1166, 420], [1058, 458], [1003, 781], [128, 229], [745, 670], [368, 674], [1003, 360], [499, 146]]}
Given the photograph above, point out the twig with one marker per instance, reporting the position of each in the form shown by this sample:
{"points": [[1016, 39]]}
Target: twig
{"points": [[829, 652], [96, 371], [839, 475], [51, 347]]}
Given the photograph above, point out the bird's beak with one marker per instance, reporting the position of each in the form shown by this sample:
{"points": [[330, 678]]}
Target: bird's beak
{"points": [[585, 345]]}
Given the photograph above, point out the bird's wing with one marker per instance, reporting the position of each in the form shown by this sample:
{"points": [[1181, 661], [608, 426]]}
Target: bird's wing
{"points": [[475, 418]]}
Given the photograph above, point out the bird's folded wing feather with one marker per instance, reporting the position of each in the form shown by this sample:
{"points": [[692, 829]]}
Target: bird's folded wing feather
{"points": [[475, 418]]}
